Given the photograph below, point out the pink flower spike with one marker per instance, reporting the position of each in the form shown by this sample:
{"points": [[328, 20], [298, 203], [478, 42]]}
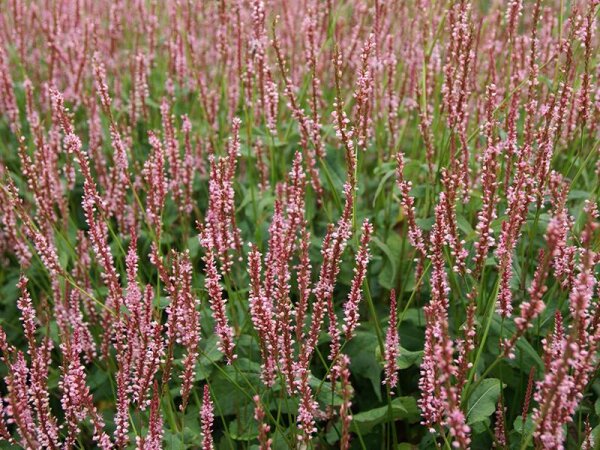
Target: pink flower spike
{"points": [[351, 316], [392, 346], [263, 427], [218, 306], [206, 420]]}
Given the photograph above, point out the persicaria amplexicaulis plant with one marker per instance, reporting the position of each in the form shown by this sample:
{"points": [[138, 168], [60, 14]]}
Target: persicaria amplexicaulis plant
{"points": [[309, 225]]}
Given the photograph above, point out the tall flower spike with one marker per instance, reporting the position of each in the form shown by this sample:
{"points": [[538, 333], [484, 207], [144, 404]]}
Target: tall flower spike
{"points": [[415, 235], [76, 399], [333, 246], [115, 197], [513, 12], [220, 232], [190, 328], [341, 121], [500, 428], [307, 407], [528, 394], [218, 306], [101, 85], [206, 420], [9, 236], [519, 197], [8, 101], [261, 312], [305, 125], [392, 346], [20, 411], [360, 271], [535, 305], [153, 440], [489, 185], [157, 184], [42, 242], [586, 33], [363, 94], [263, 427], [4, 433], [93, 207], [436, 339], [440, 399], [304, 284], [569, 361], [345, 411], [39, 398]]}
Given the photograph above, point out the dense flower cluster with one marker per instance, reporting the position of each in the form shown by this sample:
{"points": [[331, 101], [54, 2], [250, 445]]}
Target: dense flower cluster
{"points": [[205, 207]]}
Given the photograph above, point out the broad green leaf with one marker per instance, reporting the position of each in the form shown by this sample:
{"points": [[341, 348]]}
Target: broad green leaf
{"points": [[518, 425], [172, 439], [281, 440], [425, 224], [596, 434], [210, 352], [387, 276], [232, 387], [209, 356], [415, 315], [241, 430], [408, 358], [526, 356], [482, 402], [464, 225], [402, 408], [578, 195], [193, 245], [333, 432], [362, 350], [392, 248], [481, 427], [382, 185], [418, 191], [387, 280], [326, 396]]}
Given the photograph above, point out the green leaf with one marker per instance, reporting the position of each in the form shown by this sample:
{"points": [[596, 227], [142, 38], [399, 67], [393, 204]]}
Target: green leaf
{"points": [[464, 225], [210, 352], [408, 358], [281, 441], [518, 425], [406, 446], [382, 185], [525, 354], [193, 245], [362, 350], [240, 431], [228, 385], [392, 248], [173, 440], [481, 427], [388, 279], [333, 432], [402, 408], [482, 402], [209, 356], [578, 195], [596, 433], [326, 395], [425, 223]]}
